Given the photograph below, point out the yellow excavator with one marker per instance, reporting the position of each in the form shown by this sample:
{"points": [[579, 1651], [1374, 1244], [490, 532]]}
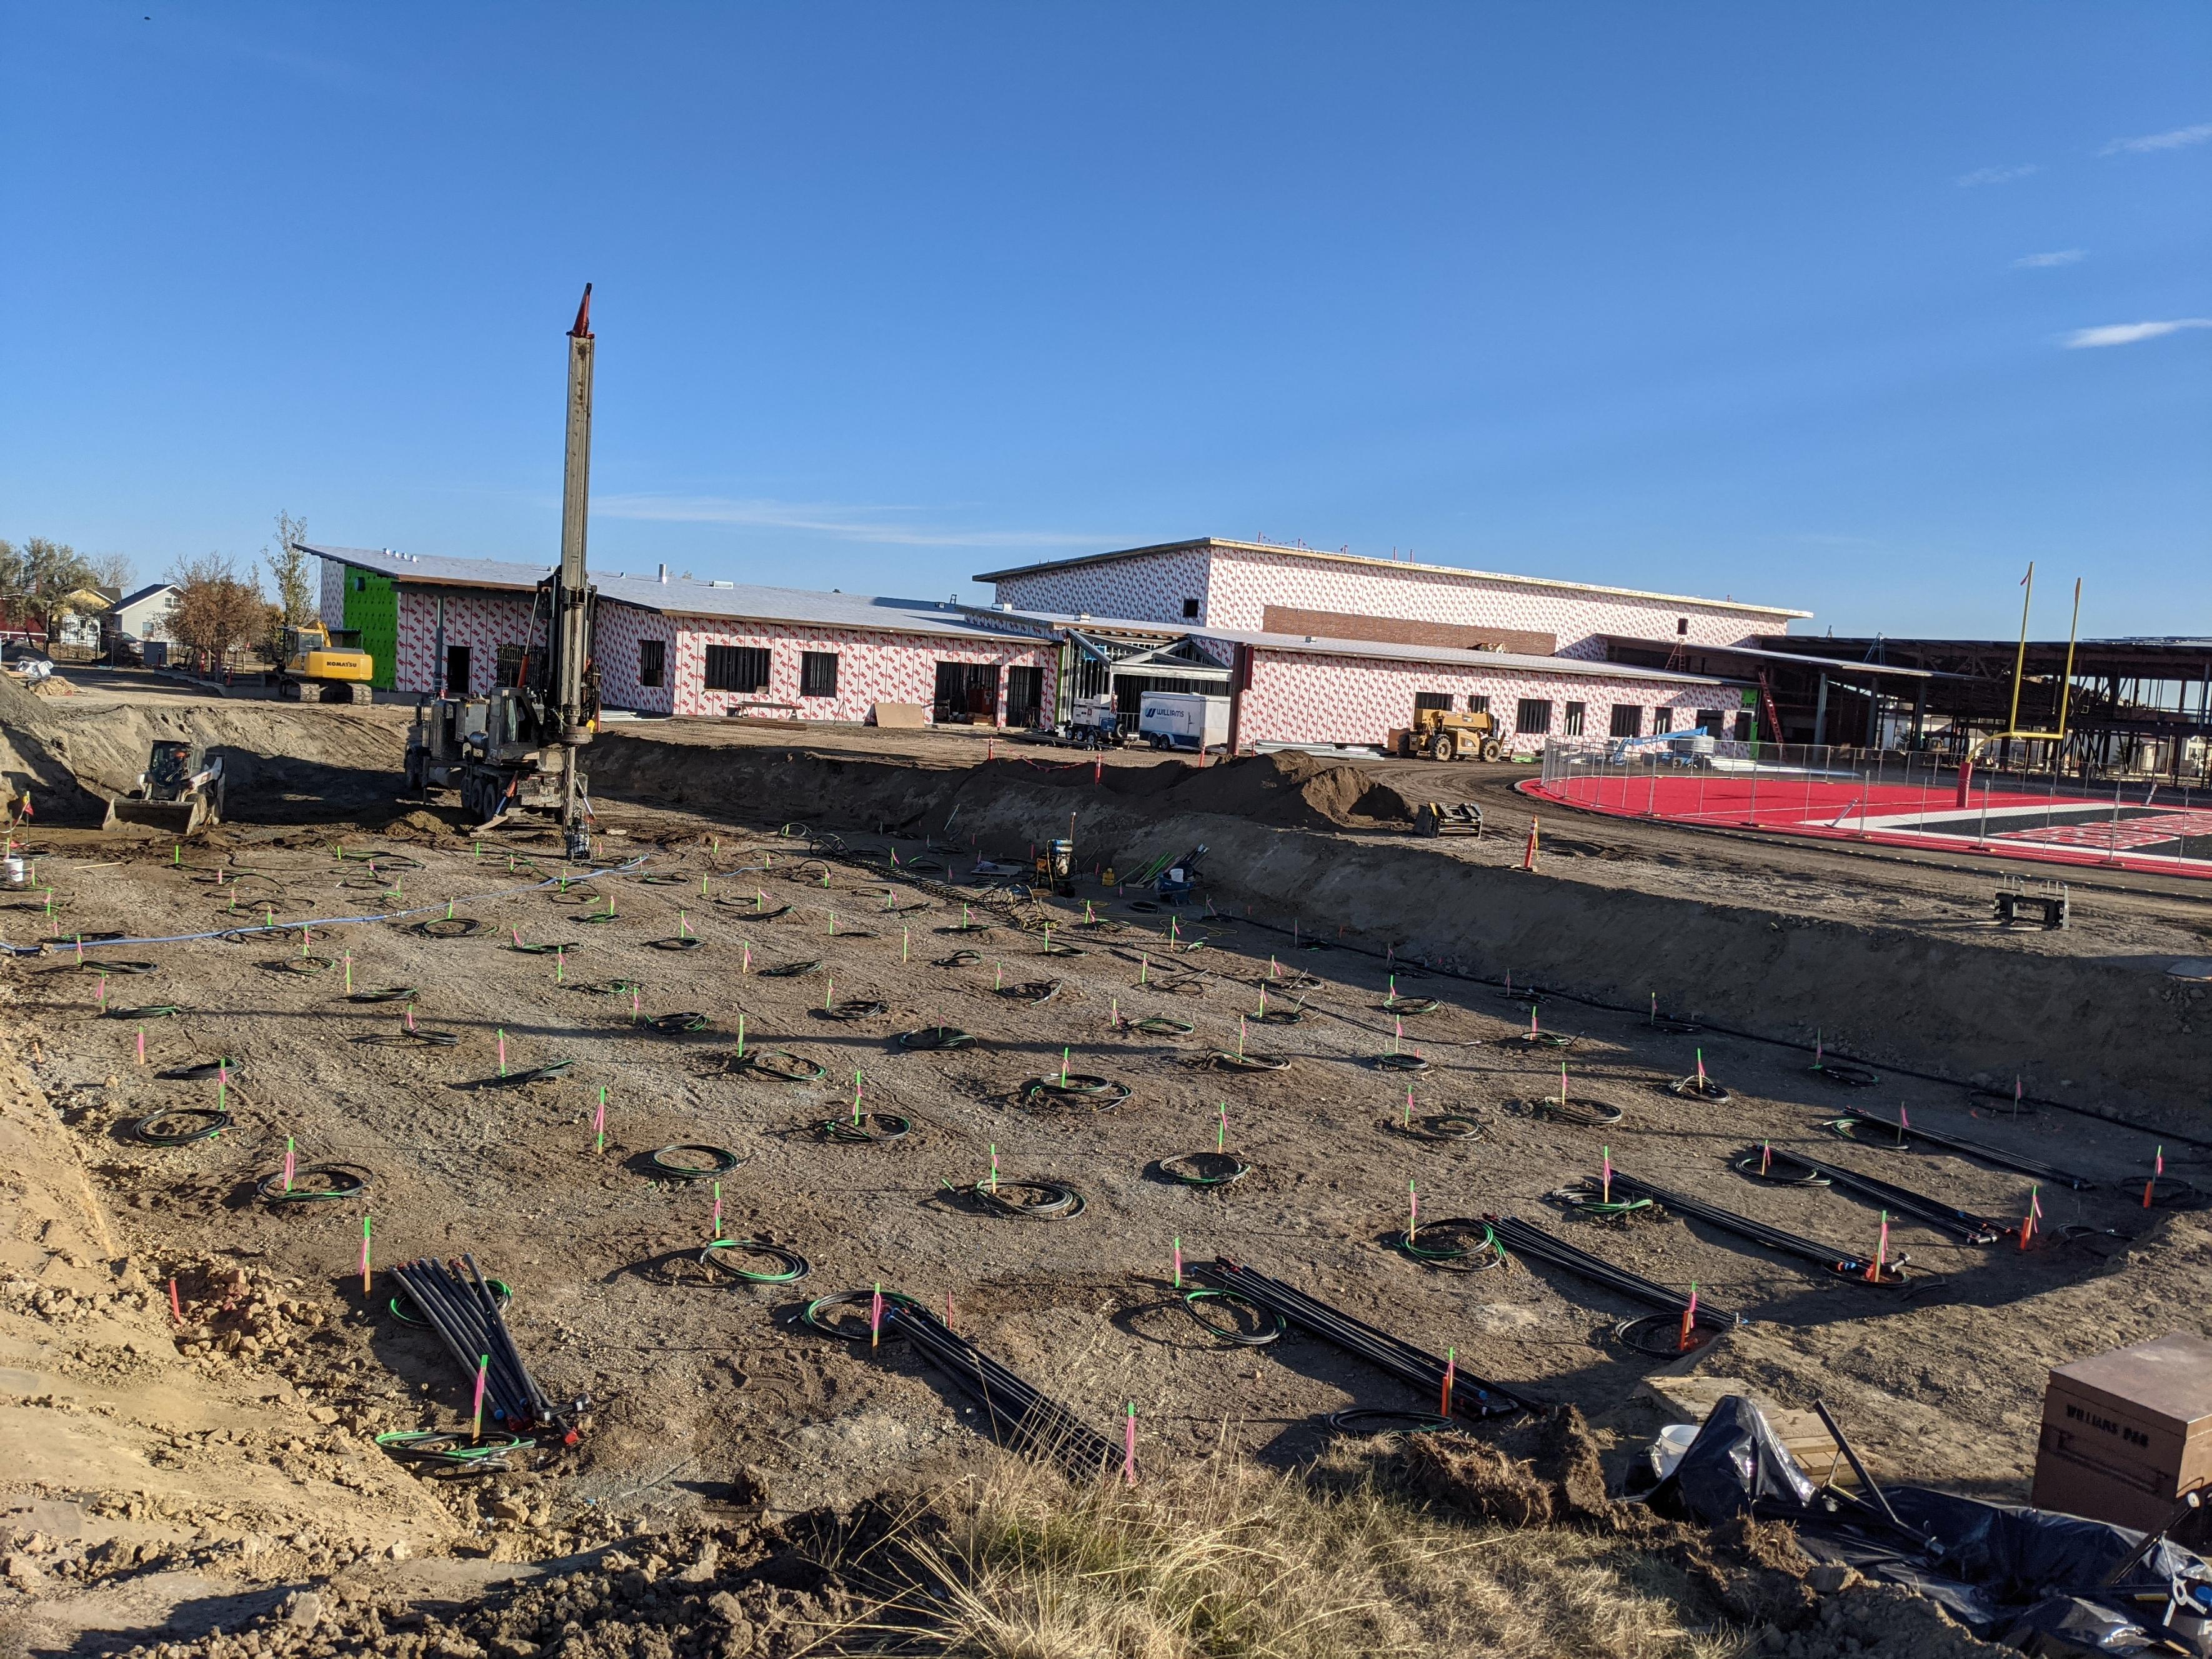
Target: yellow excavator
{"points": [[335, 664]]}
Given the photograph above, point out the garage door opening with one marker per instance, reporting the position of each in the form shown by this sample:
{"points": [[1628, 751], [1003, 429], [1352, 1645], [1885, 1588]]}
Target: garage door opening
{"points": [[966, 694]]}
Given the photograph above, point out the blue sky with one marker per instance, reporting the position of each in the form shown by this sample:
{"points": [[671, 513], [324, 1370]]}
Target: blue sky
{"points": [[1794, 303]]}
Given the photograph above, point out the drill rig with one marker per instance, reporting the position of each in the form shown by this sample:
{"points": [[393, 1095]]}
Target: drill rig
{"points": [[521, 747]]}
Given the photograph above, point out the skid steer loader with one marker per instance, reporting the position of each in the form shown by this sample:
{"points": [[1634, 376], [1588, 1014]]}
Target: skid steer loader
{"points": [[180, 792]]}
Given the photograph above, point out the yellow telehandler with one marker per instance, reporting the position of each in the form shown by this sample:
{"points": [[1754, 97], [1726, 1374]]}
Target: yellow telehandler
{"points": [[1440, 734]]}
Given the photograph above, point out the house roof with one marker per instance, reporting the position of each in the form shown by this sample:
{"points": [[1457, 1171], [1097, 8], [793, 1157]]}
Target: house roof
{"points": [[1456, 657], [1206, 544], [678, 596], [151, 590]]}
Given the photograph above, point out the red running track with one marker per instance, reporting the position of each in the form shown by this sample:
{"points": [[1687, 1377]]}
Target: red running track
{"points": [[2023, 823]]}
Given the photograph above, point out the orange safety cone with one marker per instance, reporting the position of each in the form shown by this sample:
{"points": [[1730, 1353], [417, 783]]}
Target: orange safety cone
{"points": [[1528, 855]]}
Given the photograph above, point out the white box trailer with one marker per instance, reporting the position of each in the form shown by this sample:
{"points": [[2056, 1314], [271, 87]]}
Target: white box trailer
{"points": [[1183, 720]]}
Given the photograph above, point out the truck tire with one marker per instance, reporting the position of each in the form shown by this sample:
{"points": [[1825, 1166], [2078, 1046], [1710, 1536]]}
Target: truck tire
{"points": [[1491, 749], [1442, 747]]}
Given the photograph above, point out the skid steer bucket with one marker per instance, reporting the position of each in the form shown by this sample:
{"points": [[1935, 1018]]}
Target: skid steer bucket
{"points": [[170, 817]]}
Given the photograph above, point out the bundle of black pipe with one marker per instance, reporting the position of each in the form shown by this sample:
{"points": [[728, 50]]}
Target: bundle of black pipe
{"points": [[455, 1300], [1845, 1264], [1526, 1238], [1019, 1414], [1473, 1396]]}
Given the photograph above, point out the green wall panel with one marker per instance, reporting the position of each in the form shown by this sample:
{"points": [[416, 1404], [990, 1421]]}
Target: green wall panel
{"points": [[371, 608]]}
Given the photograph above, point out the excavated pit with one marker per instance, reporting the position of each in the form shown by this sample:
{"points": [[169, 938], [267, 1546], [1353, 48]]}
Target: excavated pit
{"points": [[235, 1445]]}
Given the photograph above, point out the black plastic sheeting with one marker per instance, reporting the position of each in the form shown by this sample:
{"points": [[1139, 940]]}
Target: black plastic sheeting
{"points": [[2031, 1578]]}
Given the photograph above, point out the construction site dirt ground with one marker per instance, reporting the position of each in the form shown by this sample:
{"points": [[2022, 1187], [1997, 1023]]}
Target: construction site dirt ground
{"points": [[230, 1446]]}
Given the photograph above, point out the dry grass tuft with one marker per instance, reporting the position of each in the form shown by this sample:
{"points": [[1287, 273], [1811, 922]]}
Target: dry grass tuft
{"points": [[1228, 1558]]}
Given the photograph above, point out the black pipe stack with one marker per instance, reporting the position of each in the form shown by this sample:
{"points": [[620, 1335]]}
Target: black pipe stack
{"points": [[455, 1301], [1019, 1415], [1472, 1397]]}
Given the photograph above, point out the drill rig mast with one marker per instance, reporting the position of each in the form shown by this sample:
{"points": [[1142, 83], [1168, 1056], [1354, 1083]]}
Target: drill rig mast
{"points": [[570, 631], [521, 747]]}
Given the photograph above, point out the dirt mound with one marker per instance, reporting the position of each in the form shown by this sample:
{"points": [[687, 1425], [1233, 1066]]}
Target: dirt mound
{"points": [[29, 760], [1881, 1619], [1290, 789], [1545, 1473], [727, 1590], [421, 825], [280, 763], [17, 705], [1293, 789]]}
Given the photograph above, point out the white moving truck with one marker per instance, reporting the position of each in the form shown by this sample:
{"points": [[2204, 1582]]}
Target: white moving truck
{"points": [[1183, 720]]}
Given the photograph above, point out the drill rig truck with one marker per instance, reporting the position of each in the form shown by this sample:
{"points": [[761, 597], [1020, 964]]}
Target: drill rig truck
{"points": [[521, 747]]}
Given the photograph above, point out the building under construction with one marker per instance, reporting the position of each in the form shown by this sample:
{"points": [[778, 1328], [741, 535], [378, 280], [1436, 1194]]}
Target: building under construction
{"points": [[2131, 708]]}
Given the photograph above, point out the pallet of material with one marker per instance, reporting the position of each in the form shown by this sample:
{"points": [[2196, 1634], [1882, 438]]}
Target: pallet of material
{"points": [[1691, 1399]]}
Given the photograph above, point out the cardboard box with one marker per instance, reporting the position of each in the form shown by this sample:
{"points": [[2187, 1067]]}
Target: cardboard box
{"points": [[2125, 1434]]}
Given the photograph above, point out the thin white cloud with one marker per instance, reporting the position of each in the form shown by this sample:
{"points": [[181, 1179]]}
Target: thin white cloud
{"points": [[846, 523], [2112, 334], [1995, 175], [2064, 256], [2179, 138]]}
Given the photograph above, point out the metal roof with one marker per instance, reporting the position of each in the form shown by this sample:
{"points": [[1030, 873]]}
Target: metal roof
{"points": [[1009, 614], [678, 596], [1503, 661], [1833, 665], [1459, 572], [2182, 658]]}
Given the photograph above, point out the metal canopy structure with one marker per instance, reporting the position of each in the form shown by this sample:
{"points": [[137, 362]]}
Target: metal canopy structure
{"points": [[1124, 669], [1827, 697], [2142, 705]]}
